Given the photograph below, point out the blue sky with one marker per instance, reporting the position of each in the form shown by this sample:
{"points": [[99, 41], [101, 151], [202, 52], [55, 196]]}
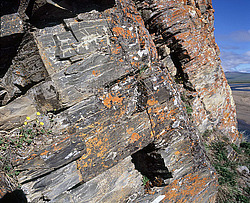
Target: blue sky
{"points": [[232, 33]]}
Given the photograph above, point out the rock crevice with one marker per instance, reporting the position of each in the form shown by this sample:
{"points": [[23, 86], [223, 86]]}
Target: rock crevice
{"points": [[116, 83]]}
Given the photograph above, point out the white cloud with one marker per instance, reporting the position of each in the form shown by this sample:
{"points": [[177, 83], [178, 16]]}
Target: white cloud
{"points": [[228, 47], [236, 36], [241, 36], [247, 53], [235, 62]]}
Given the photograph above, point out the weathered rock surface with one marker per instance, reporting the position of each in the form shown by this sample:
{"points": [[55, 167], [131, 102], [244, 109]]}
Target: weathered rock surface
{"points": [[186, 27], [117, 77]]}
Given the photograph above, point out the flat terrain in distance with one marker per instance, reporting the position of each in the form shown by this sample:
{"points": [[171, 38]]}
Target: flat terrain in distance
{"points": [[237, 77], [241, 95], [240, 85]]}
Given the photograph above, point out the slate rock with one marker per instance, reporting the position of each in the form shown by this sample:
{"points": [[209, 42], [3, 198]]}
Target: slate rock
{"points": [[113, 83]]}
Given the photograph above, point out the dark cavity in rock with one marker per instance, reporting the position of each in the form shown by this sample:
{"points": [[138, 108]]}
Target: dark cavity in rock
{"points": [[48, 13], [16, 196], [151, 164]]}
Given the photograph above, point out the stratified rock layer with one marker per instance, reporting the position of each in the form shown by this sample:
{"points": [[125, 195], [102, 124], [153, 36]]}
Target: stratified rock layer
{"points": [[186, 27], [114, 75]]}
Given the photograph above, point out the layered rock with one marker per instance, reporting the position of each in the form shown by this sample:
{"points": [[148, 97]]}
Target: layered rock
{"points": [[108, 78], [186, 27]]}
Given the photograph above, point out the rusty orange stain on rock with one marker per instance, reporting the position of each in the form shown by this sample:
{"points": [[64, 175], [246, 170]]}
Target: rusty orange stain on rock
{"points": [[56, 148], [44, 153], [109, 100], [102, 151], [191, 186], [32, 156], [95, 73], [119, 31], [134, 137], [152, 102], [130, 130]]}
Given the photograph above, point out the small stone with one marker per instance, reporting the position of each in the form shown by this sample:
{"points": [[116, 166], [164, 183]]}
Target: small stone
{"points": [[243, 170]]}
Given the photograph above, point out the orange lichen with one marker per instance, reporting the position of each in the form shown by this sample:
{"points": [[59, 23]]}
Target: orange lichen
{"points": [[95, 73], [134, 137], [32, 156], [191, 186], [44, 153], [109, 100], [130, 130], [152, 102]]}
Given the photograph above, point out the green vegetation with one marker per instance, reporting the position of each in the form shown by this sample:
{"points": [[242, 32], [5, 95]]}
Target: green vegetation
{"points": [[189, 109], [19, 139], [183, 98], [223, 165], [143, 69], [179, 79], [231, 188], [187, 100], [145, 180], [207, 133]]}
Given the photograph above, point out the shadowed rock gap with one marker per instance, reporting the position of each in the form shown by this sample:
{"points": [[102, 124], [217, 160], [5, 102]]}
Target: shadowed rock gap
{"points": [[9, 6], [43, 14], [26, 59], [9, 46], [17, 196], [142, 97], [162, 36], [180, 76], [178, 56], [151, 165]]}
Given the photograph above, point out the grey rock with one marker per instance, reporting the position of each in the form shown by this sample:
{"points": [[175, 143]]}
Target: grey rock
{"points": [[53, 184], [114, 185], [11, 24], [243, 169], [111, 91], [15, 113]]}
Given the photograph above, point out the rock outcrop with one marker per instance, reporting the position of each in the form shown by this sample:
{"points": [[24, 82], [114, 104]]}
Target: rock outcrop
{"points": [[186, 27], [124, 88]]}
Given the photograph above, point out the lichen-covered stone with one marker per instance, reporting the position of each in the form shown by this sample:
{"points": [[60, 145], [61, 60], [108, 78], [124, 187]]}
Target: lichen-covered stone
{"points": [[26, 70], [7, 184], [186, 27], [114, 185], [11, 24], [107, 75]]}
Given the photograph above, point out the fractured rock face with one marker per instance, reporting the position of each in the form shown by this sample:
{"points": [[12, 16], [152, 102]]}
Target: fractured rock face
{"points": [[186, 27], [107, 75]]}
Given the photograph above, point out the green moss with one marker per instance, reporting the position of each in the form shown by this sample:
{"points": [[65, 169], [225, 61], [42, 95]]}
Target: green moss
{"points": [[183, 98]]}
